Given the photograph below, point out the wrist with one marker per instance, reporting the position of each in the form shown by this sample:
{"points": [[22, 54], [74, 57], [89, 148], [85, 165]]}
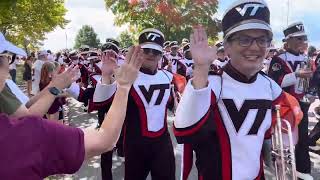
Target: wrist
{"points": [[202, 67], [107, 79], [54, 91], [123, 88], [200, 76], [51, 84]]}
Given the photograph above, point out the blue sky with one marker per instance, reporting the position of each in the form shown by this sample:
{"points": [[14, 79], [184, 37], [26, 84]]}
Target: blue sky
{"points": [[93, 12]]}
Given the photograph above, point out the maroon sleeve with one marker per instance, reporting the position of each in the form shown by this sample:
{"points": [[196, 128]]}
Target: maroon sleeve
{"points": [[62, 149], [278, 69]]}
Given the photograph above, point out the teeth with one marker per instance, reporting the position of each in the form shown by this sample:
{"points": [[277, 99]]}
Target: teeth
{"points": [[251, 57]]}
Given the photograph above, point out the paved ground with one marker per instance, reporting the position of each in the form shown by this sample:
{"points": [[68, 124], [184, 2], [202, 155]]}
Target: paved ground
{"points": [[91, 169]]}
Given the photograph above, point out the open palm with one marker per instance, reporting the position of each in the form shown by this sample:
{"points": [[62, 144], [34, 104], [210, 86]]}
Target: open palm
{"points": [[202, 53], [127, 73], [109, 62]]}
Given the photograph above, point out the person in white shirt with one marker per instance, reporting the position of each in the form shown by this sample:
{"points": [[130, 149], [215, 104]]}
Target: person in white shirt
{"points": [[13, 68], [42, 58]]}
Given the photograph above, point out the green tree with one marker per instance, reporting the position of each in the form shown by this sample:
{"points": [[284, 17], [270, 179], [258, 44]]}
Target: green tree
{"points": [[126, 39], [174, 18], [25, 22], [86, 36]]}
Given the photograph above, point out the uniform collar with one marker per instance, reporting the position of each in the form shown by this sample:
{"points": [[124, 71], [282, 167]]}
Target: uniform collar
{"points": [[238, 76], [292, 52], [148, 71]]}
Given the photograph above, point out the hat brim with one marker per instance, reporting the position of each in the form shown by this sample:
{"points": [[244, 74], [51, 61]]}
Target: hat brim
{"points": [[175, 46], [298, 34], [152, 46], [7, 46], [248, 26]]}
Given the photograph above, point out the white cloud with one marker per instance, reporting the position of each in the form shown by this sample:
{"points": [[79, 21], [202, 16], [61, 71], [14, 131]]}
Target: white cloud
{"points": [[82, 12]]}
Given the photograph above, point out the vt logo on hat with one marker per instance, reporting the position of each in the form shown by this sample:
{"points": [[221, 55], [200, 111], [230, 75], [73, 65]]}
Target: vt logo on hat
{"points": [[294, 30], [152, 36], [244, 15], [300, 27], [151, 39], [251, 7]]}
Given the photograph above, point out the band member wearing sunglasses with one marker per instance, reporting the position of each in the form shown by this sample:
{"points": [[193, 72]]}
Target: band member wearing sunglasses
{"points": [[287, 69], [147, 143]]}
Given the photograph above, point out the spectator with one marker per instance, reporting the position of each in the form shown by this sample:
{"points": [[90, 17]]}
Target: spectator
{"points": [[47, 148], [13, 68], [42, 58], [13, 102], [48, 71], [27, 74]]}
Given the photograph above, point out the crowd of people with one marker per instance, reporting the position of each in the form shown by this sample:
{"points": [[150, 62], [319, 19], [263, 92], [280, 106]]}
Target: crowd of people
{"points": [[222, 96]]}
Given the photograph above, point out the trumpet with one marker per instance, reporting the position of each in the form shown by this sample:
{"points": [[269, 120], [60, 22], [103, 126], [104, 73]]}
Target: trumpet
{"points": [[283, 157], [304, 83]]}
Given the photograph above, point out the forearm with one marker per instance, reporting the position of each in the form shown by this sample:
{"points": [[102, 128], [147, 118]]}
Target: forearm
{"points": [[104, 140], [42, 104], [200, 77], [112, 124], [193, 106], [35, 98]]}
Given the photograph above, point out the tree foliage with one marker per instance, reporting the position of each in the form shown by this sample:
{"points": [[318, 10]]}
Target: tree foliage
{"points": [[86, 36], [174, 18], [25, 22], [126, 39]]}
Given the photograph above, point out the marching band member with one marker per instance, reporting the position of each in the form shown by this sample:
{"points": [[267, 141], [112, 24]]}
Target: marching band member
{"points": [[227, 114], [147, 143], [287, 70]]}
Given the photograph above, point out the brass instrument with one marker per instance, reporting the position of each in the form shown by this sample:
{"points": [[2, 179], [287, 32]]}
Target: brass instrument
{"points": [[283, 157], [304, 83]]}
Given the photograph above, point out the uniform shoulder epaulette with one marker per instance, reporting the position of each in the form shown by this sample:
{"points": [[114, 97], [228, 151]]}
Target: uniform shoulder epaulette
{"points": [[215, 70]]}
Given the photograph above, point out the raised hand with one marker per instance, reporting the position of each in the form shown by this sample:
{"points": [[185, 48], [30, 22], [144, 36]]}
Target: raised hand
{"points": [[109, 63], [202, 53], [65, 79], [203, 56], [127, 73]]}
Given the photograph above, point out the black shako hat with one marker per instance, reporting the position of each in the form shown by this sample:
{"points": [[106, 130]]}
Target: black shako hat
{"points": [[294, 30], [244, 15], [110, 46], [151, 39]]}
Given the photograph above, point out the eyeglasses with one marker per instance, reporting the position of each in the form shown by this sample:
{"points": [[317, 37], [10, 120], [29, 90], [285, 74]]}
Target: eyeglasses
{"points": [[246, 41], [155, 52]]}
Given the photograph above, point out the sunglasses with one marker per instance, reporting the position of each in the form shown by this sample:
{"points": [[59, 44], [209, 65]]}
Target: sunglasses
{"points": [[153, 51]]}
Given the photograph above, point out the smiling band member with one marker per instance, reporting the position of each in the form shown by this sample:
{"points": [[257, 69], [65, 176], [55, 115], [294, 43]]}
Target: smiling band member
{"points": [[226, 114]]}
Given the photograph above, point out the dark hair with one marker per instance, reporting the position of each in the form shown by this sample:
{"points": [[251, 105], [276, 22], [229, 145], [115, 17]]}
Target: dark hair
{"points": [[47, 68], [13, 58]]}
